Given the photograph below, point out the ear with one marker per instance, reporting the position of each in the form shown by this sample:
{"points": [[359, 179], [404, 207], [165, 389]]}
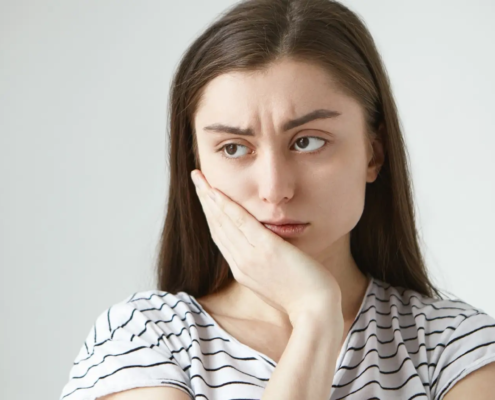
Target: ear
{"points": [[376, 155]]}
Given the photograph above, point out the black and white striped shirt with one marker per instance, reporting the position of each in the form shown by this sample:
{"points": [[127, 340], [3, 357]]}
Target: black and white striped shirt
{"points": [[402, 345]]}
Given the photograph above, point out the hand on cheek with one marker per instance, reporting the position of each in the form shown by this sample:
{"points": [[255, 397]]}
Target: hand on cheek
{"points": [[263, 261]]}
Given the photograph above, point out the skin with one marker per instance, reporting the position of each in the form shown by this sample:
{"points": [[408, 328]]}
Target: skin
{"points": [[479, 384], [274, 174]]}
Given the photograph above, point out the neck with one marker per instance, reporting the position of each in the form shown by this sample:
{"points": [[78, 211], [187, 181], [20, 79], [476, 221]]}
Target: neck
{"points": [[240, 302]]}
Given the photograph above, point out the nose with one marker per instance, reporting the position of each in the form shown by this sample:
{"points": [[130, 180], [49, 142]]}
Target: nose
{"points": [[275, 178]]}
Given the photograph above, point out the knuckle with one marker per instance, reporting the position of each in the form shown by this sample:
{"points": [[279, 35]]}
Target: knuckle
{"points": [[239, 220], [240, 276], [241, 267], [237, 272]]}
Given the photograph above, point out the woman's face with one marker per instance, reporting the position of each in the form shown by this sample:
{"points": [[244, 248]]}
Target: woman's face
{"points": [[315, 172]]}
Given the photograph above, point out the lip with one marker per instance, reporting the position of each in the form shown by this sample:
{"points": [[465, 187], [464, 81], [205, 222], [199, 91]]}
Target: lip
{"points": [[284, 221], [287, 230]]}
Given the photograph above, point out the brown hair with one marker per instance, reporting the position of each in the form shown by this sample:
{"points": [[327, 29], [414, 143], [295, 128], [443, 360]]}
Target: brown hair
{"points": [[249, 36]]}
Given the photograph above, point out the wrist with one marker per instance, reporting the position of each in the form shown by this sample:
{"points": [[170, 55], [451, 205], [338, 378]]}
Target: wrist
{"points": [[324, 332], [321, 316]]}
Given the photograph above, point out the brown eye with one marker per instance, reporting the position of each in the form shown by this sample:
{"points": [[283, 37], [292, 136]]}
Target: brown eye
{"points": [[229, 150], [305, 141]]}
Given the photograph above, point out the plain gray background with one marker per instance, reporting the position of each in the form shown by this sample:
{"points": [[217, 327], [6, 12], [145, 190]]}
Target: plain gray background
{"points": [[84, 173]]}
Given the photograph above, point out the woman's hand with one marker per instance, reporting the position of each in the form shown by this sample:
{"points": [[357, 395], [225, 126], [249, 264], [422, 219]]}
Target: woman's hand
{"points": [[284, 276]]}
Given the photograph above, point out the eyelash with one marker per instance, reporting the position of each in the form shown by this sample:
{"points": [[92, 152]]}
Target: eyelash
{"points": [[306, 152]]}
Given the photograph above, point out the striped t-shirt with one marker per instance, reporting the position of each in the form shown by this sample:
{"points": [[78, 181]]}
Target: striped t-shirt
{"points": [[402, 345]]}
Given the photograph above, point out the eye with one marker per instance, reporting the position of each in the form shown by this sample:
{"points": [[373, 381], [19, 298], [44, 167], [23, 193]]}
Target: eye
{"points": [[303, 142]]}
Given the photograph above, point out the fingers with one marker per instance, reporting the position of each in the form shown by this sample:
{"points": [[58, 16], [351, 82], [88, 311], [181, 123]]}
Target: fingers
{"points": [[222, 232], [254, 232], [218, 234]]}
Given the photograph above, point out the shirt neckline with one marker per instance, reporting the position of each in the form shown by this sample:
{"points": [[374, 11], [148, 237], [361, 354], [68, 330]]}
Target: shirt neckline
{"points": [[343, 349], [263, 357], [259, 355]]}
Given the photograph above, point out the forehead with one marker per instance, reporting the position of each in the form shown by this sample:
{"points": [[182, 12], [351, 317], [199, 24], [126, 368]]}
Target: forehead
{"points": [[283, 90]]}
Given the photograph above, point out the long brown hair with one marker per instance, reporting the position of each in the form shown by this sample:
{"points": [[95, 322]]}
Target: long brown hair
{"points": [[249, 36]]}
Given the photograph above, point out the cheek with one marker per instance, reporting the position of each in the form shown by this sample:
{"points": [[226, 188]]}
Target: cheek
{"points": [[351, 207], [340, 201], [233, 184]]}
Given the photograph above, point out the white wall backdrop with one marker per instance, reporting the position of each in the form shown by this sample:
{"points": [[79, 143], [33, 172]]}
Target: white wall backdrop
{"points": [[83, 168]]}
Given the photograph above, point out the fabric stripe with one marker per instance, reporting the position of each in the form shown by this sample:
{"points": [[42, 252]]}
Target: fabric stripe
{"points": [[401, 345]]}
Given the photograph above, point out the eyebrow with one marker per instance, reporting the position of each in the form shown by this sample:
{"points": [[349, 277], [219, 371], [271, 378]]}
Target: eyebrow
{"points": [[321, 113]]}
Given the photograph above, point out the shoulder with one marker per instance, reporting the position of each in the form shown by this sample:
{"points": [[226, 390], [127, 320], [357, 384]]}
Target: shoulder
{"points": [[427, 312], [150, 301], [140, 341], [451, 337], [133, 316]]}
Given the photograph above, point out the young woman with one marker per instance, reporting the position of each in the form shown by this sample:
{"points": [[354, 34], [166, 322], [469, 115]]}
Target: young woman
{"points": [[292, 270]]}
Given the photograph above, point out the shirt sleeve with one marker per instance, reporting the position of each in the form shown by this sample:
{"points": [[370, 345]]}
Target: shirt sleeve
{"points": [[468, 347], [123, 350]]}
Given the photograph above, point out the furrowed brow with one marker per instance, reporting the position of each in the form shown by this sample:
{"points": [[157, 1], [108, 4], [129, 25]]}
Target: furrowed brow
{"points": [[291, 124]]}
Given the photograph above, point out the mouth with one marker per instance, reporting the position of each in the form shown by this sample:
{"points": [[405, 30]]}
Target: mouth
{"points": [[287, 230], [283, 221]]}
